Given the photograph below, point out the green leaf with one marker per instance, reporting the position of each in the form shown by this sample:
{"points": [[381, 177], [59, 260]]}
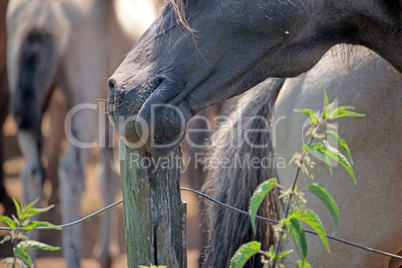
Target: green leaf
{"points": [[328, 201], [305, 265], [30, 244], [342, 108], [17, 208], [25, 209], [310, 114], [244, 253], [310, 218], [9, 222], [35, 224], [271, 252], [33, 211], [257, 198], [299, 236], [327, 110], [343, 112], [346, 114], [284, 253], [338, 156], [23, 256], [335, 137], [318, 150], [325, 98]]}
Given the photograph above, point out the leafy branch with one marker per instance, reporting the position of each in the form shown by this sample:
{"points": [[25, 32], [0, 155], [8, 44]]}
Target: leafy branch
{"points": [[295, 211], [20, 225]]}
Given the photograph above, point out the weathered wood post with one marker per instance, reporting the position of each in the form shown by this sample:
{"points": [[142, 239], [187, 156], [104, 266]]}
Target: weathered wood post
{"points": [[154, 215]]}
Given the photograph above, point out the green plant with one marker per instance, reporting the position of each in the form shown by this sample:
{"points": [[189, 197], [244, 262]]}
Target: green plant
{"points": [[295, 211], [20, 225]]}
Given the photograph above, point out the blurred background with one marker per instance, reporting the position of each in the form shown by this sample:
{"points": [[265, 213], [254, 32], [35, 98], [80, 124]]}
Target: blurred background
{"points": [[55, 144]]}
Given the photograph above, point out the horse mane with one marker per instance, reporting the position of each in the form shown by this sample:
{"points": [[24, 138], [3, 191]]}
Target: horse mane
{"points": [[344, 52], [179, 10]]}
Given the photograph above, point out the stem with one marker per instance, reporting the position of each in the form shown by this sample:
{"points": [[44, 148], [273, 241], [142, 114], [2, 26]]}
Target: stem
{"points": [[281, 187], [263, 253], [14, 257], [305, 153], [15, 245], [15, 242]]}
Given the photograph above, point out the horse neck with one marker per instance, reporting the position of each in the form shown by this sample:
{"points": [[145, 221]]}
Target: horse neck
{"points": [[375, 24]]}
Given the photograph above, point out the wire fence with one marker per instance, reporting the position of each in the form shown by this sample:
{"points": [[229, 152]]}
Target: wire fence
{"points": [[226, 206]]}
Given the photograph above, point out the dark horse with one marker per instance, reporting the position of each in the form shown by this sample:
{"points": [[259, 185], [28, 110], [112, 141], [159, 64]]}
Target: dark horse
{"points": [[202, 52], [234, 46]]}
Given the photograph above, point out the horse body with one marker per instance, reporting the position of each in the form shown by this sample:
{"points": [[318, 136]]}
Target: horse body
{"points": [[71, 44], [368, 210]]}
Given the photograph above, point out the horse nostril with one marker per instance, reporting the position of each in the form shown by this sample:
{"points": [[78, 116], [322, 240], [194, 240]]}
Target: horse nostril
{"points": [[112, 84], [111, 102]]}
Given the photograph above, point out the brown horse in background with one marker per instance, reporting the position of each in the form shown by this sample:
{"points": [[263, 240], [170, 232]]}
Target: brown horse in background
{"points": [[5, 199]]}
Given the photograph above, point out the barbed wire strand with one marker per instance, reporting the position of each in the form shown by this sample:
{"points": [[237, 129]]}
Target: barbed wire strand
{"points": [[306, 230], [71, 223], [226, 206]]}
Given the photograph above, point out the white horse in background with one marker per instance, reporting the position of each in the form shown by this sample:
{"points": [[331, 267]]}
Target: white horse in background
{"points": [[74, 45]]}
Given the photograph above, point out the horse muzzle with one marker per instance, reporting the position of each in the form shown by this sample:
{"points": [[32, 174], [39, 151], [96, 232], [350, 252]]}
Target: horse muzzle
{"points": [[153, 121]]}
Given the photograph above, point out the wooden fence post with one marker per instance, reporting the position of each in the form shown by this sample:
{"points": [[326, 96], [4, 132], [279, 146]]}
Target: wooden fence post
{"points": [[154, 215]]}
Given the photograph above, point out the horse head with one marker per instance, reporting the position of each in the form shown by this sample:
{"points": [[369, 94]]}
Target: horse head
{"points": [[198, 53]]}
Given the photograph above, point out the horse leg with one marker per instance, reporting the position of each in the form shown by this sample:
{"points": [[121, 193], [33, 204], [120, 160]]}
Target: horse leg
{"points": [[33, 175], [52, 149], [71, 174], [29, 136], [109, 185], [72, 183]]}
